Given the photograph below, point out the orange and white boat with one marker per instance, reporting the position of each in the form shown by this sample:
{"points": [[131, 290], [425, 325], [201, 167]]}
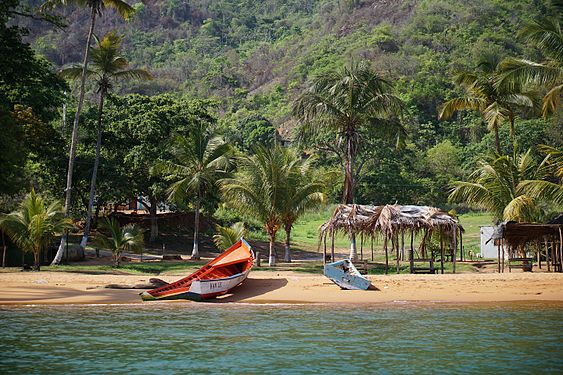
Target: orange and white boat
{"points": [[217, 277]]}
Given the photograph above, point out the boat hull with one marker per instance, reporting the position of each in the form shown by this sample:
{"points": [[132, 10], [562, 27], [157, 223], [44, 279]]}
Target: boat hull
{"points": [[233, 266], [346, 276]]}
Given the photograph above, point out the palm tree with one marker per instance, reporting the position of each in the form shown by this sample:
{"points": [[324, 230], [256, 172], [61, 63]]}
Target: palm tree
{"points": [[96, 8], [547, 35], [511, 188], [345, 102], [259, 189], [127, 238], [304, 192], [226, 237], [200, 160], [107, 67], [496, 105], [34, 225]]}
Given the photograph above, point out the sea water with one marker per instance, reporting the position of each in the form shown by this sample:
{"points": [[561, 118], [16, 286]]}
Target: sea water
{"points": [[196, 338]]}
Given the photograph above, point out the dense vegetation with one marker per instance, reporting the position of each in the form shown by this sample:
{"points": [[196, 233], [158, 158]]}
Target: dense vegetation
{"points": [[241, 68]]}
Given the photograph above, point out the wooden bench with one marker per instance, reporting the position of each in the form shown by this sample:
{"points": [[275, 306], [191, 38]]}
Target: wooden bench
{"points": [[430, 269], [361, 266], [524, 263]]}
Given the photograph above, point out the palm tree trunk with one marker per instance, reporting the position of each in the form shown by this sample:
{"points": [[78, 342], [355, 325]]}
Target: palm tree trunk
{"points": [[272, 256], [94, 174], [353, 248], [195, 251], [348, 193], [287, 257], [153, 212], [74, 137], [36, 261]]}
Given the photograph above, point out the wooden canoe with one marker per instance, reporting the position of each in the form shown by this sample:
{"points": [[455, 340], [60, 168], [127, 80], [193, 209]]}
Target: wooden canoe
{"points": [[213, 279], [345, 275]]}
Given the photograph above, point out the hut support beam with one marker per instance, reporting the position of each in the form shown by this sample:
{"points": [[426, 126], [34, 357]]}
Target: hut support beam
{"points": [[398, 253], [441, 254], [372, 249], [411, 253], [386, 255], [362, 247], [498, 254], [454, 255], [324, 250], [547, 256], [332, 248]]}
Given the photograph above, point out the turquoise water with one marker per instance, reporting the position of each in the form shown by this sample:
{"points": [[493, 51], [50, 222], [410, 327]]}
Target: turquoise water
{"points": [[191, 338]]}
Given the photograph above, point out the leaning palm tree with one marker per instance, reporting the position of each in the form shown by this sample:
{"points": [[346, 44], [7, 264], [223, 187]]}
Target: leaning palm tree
{"points": [[127, 238], [511, 188], [304, 192], [199, 161], [495, 104], [226, 237], [546, 34], [107, 66], [96, 8], [34, 225], [259, 189]]}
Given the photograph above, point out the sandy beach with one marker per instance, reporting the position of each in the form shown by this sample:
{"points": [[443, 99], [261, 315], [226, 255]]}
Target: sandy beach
{"points": [[289, 287]]}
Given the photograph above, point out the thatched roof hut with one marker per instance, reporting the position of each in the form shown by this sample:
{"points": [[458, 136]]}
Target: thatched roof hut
{"points": [[389, 221], [515, 238]]}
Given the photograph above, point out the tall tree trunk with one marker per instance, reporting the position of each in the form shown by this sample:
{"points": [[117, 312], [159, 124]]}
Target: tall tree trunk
{"points": [[36, 261], [74, 137], [348, 193], [287, 256], [272, 256], [153, 212], [94, 175], [195, 251], [353, 248]]}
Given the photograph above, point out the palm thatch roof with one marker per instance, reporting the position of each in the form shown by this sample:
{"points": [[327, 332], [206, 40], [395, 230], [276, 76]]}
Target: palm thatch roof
{"points": [[517, 235], [388, 220]]}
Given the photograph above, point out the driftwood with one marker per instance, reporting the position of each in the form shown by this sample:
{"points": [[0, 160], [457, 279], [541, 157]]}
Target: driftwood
{"points": [[153, 283]]}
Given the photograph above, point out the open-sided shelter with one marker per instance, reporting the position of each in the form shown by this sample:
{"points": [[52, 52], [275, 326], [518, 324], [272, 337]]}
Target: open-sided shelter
{"points": [[394, 221]]}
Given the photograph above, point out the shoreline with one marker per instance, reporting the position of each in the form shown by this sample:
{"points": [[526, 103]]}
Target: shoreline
{"points": [[271, 287]]}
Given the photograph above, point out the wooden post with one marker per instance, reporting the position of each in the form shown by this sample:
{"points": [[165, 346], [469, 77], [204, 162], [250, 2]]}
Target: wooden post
{"points": [[502, 259], [362, 246], [538, 254], [332, 247], [461, 243], [553, 257], [441, 253], [386, 255], [561, 249], [411, 253], [454, 255], [324, 249], [257, 259], [372, 249], [547, 256], [397, 252], [498, 260], [163, 250], [402, 245]]}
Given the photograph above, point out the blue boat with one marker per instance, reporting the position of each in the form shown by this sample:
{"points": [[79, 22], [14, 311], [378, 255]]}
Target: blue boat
{"points": [[345, 275]]}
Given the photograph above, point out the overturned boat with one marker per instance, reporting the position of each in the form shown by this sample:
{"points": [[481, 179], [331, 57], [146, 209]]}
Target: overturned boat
{"points": [[213, 279], [345, 275]]}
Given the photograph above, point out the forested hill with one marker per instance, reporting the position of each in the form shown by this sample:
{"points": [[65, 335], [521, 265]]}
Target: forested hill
{"points": [[255, 56]]}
